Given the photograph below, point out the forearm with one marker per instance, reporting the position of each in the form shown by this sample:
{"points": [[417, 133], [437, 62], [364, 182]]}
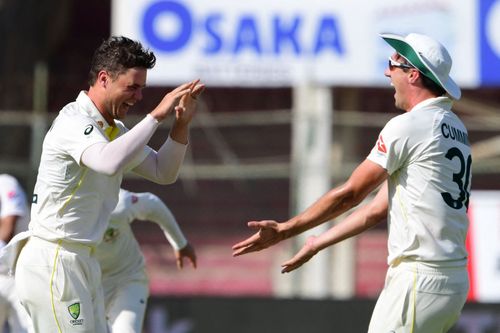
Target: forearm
{"points": [[180, 132], [175, 237], [156, 211], [328, 207], [109, 158], [363, 180], [357, 222], [7, 227], [163, 167], [171, 229]]}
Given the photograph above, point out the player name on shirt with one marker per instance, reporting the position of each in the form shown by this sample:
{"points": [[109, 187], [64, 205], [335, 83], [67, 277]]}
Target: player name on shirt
{"points": [[451, 132]]}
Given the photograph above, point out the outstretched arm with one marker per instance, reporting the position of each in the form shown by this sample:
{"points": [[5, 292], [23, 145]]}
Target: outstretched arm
{"points": [[367, 176], [154, 210], [360, 220]]}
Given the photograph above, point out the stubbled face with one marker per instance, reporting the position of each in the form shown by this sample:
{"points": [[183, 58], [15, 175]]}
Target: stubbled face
{"points": [[399, 80], [124, 91]]}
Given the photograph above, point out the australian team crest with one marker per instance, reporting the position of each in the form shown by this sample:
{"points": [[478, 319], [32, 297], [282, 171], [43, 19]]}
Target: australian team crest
{"points": [[74, 311]]}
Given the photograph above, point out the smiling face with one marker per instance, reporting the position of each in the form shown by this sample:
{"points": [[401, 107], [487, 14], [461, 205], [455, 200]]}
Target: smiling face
{"points": [[124, 91]]}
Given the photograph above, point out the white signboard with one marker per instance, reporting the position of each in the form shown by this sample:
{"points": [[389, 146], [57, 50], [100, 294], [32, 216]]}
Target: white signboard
{"points": [[275, 43]]}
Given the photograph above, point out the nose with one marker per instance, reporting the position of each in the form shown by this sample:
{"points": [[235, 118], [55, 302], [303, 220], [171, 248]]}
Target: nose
{"points": [[387, 72]]}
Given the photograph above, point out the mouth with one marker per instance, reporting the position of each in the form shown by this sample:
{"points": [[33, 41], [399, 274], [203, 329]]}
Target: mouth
{"points": [[120, 112], [127, 105]]}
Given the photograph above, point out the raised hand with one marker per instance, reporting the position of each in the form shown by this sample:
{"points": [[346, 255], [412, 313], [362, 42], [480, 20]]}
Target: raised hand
{"points": [[306, 252], [185, 111], [186, 252], [269, 234], [170, 101]]}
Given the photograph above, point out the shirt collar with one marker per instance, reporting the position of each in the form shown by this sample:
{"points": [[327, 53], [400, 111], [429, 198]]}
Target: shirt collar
{"points": [[90, 109], [441, 101]]}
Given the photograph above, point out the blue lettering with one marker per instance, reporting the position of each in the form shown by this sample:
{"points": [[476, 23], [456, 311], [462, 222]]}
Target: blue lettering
{"points": [[328, 36], [172, 43], [286, 34], [247, 36], [216, 44]]}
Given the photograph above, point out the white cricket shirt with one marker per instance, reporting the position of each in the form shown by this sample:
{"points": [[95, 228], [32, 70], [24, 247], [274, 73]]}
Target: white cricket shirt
{"points": [[119, 253], [72, 202], [426, 152]]}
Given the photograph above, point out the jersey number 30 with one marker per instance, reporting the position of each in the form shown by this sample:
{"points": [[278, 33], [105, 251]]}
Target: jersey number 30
{"points": [[462, 179]]}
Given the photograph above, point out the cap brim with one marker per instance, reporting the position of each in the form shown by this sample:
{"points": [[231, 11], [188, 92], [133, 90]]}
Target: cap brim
{"points": [[399, 44]]}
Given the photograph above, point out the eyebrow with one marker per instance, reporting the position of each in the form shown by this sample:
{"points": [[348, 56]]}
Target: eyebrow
{"points": [[135, 85]]}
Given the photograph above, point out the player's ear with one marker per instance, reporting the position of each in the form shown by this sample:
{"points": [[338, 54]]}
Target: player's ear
{"points": [[413, 75], [102, 78]]}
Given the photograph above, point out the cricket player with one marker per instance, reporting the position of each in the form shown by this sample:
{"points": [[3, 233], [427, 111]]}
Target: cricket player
{"points": [[123, 268], [424, 154], [84, 156], [14, 217]]}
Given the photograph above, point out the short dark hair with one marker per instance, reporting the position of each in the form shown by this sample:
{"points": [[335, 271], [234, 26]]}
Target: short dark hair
{"points": [[427, 82], [117, 54], [432, 86]]}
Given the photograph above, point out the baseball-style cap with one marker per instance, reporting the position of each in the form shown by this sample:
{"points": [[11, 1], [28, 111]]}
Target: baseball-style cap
{"points": [[428, 56]]}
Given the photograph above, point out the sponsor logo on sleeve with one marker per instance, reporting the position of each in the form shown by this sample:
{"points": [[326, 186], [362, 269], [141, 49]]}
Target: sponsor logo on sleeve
{"points": [[11, 194], [381, 145]]}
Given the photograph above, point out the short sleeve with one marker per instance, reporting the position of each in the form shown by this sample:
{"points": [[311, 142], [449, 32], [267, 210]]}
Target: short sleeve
{"points": [[391, 149], [75, 134], [12, 198]]}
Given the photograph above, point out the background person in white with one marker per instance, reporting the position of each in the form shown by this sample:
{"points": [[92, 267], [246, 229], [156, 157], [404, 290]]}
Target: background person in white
{"points": [[124, 278], [14, 216], [84, 155], [425, 156]]}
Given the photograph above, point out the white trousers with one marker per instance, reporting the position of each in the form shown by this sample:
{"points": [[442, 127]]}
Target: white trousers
{"points": [[126, 305], [12, 312], [59, 284], [418, 298]]}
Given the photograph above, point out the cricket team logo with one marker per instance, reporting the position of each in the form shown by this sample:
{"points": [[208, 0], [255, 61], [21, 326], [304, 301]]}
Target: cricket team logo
{"points": [[74, 311], [111, 234]]}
